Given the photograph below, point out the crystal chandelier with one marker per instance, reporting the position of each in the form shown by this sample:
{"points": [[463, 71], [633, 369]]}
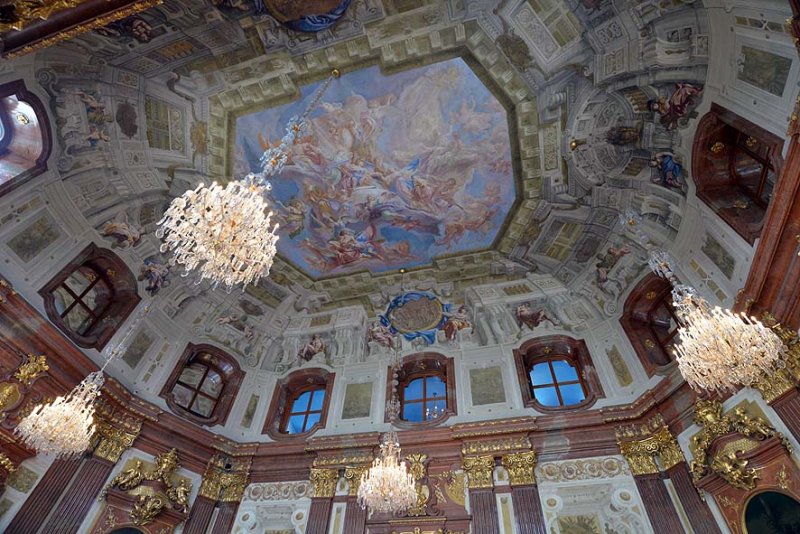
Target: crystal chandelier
{"points": [[717, 350], [388, 487], [226, 232], [65, 427]]}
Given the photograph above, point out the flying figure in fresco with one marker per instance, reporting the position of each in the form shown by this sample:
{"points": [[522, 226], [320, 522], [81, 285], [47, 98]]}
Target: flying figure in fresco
{"points": [[391, 176]]}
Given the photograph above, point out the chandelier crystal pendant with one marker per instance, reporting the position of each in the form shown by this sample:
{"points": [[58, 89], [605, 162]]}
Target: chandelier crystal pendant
{"points": [[388, 487], [64, 428], [225, 232]]}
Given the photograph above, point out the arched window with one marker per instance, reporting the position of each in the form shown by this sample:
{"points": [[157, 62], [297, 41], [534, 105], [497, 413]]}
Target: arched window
{"points": [[425, 388], [300, 404], [91, 297], [555, 382], [203, 385], [305, 410], [555, 372], [735, 166], [649, 320], [24, 136]]}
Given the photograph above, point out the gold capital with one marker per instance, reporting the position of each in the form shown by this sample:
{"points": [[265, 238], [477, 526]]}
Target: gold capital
{"points": [[324, 482], [479, 471], [520, 468]]}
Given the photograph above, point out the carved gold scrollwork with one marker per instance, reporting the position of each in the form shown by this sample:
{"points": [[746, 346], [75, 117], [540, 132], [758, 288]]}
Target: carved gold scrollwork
{"points": [[643, 444], [728, 464], [417, 467], [520, 468], [112, 441], [30, 369], [7, 464], [150, 503], [324, 481], [353, 477], [479, 471]]}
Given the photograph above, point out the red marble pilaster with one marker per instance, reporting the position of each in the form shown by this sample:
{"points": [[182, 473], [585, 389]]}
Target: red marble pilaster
{"points": [[355, 518], [225, 518], [80, 496], [787, 406], [657, 502], [319, 515], [700, 516], [484, 511], [199, 516], [38, 505], [528, 510]]}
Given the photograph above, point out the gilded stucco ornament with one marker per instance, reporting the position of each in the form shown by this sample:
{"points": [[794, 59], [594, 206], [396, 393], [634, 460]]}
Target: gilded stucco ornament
{"points": [[418, 468], [32, 368], [641, 445], [784, 378], [728, 464], [150, 502], [112, 441], [479, 471], [324, 482], [6, 463], [520, 467], [353, 477]]}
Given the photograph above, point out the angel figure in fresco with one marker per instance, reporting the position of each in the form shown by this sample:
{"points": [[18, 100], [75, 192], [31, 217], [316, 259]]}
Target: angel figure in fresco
{"points": [[670, 170], [314, 346], [676, 107], [457, 321], [124, 234], [96, 135], [531, 318], [612, 256], [156, 274], [293, 214], [380, 335]]}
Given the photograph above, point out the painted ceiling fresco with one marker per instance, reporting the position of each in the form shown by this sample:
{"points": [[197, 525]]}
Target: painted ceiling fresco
{"points": [[395, 170]]}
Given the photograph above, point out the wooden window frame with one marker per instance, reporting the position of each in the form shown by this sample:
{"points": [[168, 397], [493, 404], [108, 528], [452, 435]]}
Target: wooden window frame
{"points": [[286, 390], [722, 134], [557, 347], [424, 400], [17, 88], [636, 320], [122, 300], [418, 365], [224, 364]]}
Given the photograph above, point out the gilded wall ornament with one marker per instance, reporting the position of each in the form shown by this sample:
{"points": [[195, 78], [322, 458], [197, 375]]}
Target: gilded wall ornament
{"points": [[353, 477], [474, 448], [728, 465], [479, 471], [520, 467], [112, 441], [147, 508], [418, 468], [31, 369], [225, 479], [324, 482]]}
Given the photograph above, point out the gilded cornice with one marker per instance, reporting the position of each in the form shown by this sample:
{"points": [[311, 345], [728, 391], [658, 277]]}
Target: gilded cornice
{"points": [[343, 460], [493, 427], [480, 448], [520, 467], [641, 445], [479, 471], [324, 482]]}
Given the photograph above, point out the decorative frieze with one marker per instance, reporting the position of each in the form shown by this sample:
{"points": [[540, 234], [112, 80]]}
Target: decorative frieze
{"points": [[277, 491]]}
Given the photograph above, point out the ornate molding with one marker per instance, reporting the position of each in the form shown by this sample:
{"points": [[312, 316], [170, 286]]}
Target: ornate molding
{"points": [[728, 464], [477, 448], [92, 24], [641, 445], [7, 464], [324, 482], [773, 385], [520, 467], [479, 471]]}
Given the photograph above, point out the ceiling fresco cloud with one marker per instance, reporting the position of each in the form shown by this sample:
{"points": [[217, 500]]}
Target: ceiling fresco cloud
{"points": [[394, 170]]}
